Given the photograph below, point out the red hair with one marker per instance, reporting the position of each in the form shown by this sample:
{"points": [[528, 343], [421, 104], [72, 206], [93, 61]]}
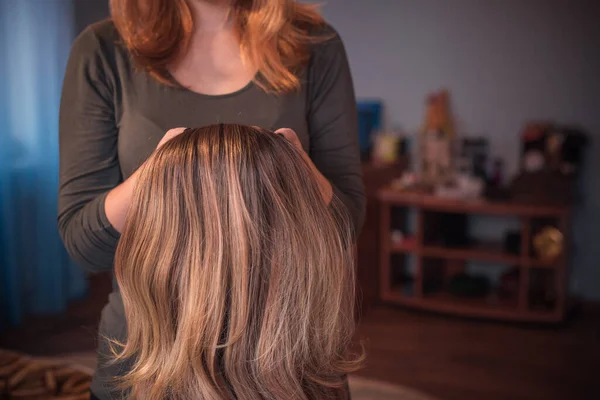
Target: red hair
{"points": [[274, 36]]}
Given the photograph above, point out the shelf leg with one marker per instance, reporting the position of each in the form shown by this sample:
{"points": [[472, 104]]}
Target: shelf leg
{"points": [[524, 271], [560, 274], [384, 247], [418, 281]]}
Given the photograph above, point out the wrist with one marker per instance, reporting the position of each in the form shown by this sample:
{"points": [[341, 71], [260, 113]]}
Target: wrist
{"points": [[326, 191]]}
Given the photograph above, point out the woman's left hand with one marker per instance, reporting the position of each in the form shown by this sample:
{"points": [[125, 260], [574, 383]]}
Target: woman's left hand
{"points": [[324, 185]]}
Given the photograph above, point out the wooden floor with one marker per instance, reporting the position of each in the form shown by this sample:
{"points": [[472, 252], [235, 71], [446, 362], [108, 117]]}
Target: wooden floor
{"points": [[452, 359], [458, 359]]}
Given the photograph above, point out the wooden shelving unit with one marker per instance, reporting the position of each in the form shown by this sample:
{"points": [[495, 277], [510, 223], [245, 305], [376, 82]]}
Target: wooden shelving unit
{"points": [[434, 262]]}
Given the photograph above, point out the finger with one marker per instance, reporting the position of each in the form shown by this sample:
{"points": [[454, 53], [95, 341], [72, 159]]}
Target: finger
{"points": [[291, 137], [175, 131], [288, 133], [170, 134]]}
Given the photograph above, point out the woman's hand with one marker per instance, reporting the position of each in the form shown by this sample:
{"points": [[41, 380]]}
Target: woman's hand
{"points": [[324, 185], [171, 133], [117, 200]]}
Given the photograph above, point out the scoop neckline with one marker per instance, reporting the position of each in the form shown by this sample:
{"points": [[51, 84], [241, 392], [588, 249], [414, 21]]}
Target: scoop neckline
{"points": [[243, 89]]}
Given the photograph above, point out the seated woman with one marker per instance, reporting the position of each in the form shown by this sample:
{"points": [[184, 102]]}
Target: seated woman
{"points": [[237, 278]]}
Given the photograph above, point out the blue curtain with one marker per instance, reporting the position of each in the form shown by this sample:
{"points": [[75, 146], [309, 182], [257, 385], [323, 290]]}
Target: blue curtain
{"points": [[36, 275]]}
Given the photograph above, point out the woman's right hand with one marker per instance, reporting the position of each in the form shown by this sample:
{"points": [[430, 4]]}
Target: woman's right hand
{"points": [[171, 133], [118, 199]]}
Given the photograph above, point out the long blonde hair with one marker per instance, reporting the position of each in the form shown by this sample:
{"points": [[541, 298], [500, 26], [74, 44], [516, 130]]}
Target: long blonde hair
{"points": [[237, 279]]}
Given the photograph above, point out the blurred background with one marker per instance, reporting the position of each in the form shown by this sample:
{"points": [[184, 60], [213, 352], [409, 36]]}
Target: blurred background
{"points": [[478, 266]]}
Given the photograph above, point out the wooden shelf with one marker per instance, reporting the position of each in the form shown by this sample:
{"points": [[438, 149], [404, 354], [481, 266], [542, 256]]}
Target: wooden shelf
{"points": [[477, 206], [540, 263], [491, 252], [404, 248], [436, 264]]}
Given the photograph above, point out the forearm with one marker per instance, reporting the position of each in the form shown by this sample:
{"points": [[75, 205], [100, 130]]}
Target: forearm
{"points": [[117, 202], [324, 184], [88, 236], [325, 187]]}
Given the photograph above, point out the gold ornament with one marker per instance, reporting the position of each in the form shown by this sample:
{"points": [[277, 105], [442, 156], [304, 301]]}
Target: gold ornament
{"points": [[548, 243]]}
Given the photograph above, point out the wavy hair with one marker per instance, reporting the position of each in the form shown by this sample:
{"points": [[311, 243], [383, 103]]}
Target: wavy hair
{"points": [[274, 36], [237, 279]]}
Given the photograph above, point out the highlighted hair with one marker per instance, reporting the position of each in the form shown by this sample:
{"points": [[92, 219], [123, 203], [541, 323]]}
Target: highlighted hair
{"points": [[237, 279]]}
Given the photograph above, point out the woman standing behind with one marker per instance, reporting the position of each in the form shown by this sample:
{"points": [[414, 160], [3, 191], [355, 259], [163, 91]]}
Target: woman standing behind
{"points": [[160, 64]]}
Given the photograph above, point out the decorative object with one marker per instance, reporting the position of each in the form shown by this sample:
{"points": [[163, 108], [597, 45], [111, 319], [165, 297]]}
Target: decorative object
{"points": [[437, 135], [397, 236], [571, 143], [435, 261], [545, 146], [548, 243], [532, 146], [473, 154], [550, 159], [23, 377], [369, 122], [386, 148], [462, 187], [497, 175], [533, 161]]}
